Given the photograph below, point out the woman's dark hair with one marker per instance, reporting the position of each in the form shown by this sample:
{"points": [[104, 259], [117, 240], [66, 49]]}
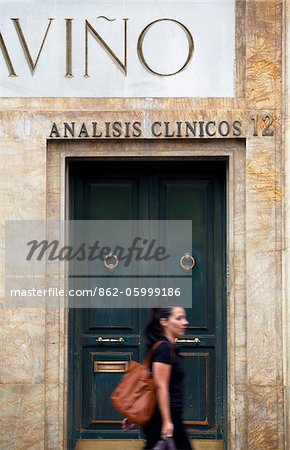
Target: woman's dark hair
{"points": [[154, 331]]}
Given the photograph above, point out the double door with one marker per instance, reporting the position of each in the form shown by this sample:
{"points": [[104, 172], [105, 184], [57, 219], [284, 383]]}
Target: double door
{"points": [[103, 340]]}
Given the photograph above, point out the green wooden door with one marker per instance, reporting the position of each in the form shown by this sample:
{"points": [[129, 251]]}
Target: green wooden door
{"points": [[142, 190]]}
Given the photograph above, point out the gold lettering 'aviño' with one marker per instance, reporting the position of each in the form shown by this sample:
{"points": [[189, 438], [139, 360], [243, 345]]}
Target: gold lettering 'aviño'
{"points": [[89, 30]]}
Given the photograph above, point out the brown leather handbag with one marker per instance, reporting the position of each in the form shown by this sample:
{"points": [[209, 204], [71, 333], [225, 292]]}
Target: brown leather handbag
{"points": [[135, 397]]}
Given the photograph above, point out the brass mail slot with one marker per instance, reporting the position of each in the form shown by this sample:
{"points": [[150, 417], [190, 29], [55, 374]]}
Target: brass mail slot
{"points": [[110, 366]]}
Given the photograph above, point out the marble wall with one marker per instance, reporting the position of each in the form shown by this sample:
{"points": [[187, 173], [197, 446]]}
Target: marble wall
{"points": [[33, 345], [286, 251]]}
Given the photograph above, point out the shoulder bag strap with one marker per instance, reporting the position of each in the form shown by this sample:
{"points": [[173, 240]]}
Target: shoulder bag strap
{"points": [[147, 359]]}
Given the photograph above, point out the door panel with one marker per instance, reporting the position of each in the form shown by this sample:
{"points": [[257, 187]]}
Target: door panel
{"points": [[191, 199], [165, 191], [100, 381], [187, 196]]}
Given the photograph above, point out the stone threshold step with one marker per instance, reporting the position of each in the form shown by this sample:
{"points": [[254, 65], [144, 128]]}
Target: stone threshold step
{"points": [[134, 444]]}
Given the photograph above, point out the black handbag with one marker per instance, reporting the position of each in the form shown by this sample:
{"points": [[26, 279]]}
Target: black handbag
{"points": [[165, 444]]}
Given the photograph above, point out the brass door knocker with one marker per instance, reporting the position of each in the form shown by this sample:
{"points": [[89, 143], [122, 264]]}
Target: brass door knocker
{"points": [[187, 257], [112, 265]]}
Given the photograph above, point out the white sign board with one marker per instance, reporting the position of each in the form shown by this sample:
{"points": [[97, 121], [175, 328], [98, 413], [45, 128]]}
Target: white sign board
{"points": [[117, 49]]}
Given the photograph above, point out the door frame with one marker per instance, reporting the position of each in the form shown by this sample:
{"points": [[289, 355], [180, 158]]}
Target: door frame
{"points": [[198, 169], [59, 153]]}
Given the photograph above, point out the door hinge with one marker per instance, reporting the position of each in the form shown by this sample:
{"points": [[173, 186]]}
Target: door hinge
{"points": [[228, 279]]}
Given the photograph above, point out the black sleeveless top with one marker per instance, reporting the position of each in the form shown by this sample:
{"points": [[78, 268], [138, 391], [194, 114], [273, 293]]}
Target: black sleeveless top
{"points": [[168, 353]]}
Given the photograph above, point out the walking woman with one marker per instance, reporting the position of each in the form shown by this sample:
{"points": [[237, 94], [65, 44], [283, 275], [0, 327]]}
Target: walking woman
{"points": [[167, 324]]}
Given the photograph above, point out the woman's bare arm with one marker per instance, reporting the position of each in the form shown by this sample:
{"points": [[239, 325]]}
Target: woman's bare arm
{"points": [[161, 375]]}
